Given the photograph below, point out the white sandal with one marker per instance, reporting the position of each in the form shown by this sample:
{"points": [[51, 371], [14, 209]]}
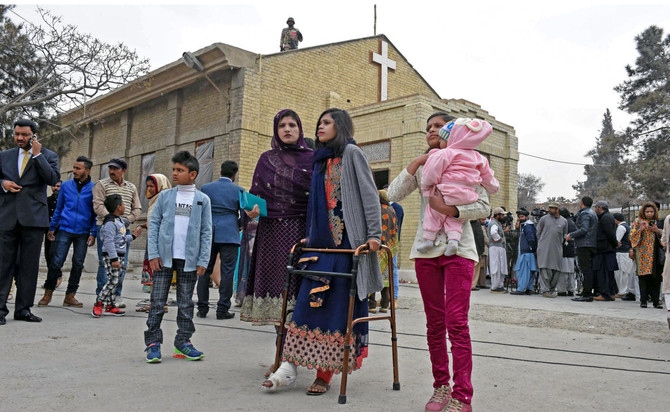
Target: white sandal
{"points": [[280, 379]]}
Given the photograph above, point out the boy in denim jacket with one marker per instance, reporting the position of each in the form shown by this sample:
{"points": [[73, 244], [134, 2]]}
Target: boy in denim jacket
{"points": [[180, 240], [114, 236]]}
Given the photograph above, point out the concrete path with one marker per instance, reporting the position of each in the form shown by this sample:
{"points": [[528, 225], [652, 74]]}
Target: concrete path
{"points": [[530, 353]]}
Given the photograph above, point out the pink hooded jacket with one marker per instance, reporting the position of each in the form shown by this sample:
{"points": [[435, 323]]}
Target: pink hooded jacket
{"points": [[457, 169]]}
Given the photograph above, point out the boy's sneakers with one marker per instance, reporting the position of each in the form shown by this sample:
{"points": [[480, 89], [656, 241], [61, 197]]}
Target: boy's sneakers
{"points": [[439, 400], [112, 310], [97, 310], [153, 353], [187, 351], [499, 290]]}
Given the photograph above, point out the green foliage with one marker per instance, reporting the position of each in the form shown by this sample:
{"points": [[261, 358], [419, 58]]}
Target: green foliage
{"points": [[607, 178], [634, 164], [646, 94]]}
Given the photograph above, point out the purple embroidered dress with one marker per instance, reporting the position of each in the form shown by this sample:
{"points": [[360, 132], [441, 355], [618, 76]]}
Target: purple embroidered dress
{"points": [[282, 177]]}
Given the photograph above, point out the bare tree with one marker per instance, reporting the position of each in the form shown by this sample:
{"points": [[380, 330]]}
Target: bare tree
{"points": [[529, 187], [49, 68]]}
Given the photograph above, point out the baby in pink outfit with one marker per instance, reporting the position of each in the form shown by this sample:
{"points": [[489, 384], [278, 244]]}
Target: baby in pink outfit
{"points": [[456, 169]]}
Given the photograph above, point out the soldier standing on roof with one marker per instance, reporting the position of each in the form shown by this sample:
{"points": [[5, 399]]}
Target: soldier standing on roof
{"points": [[290, 36]]}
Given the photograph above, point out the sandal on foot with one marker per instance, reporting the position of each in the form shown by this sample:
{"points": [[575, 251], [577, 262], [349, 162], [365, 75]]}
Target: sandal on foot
{"points": [[278, 380], [268, 373], [318, 384], [144, 308]]}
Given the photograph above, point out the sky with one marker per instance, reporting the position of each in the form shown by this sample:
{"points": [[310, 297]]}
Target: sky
{"points": [[547, 70]]}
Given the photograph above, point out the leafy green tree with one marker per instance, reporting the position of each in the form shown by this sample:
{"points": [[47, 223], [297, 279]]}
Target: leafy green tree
{"points": [[646, 94], [607, 178]]}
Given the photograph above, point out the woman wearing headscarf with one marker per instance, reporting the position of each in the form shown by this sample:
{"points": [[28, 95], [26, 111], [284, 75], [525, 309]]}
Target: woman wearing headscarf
{"points": [[343, 213], [282, 177], [155, 184]]}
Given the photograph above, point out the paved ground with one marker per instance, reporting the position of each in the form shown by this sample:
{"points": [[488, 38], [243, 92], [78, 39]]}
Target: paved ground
{"points": [[530, 353]]}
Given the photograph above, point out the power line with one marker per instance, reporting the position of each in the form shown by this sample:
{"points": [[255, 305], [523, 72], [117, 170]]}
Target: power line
{"points": [[559, 161]]}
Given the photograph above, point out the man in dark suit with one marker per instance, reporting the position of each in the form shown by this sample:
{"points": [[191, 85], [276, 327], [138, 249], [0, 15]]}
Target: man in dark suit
{"points": [[225, 197], [25, 172]]}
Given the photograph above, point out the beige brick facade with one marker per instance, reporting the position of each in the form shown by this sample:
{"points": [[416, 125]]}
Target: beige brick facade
{"points": [[234, 101]]}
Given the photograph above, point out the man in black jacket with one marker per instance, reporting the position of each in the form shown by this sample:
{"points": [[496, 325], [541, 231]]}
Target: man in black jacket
{"points": [[585, 242], [604, 262]]}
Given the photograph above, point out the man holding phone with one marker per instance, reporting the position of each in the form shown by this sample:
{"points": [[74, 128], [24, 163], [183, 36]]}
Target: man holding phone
{"points": [[25, 172]]}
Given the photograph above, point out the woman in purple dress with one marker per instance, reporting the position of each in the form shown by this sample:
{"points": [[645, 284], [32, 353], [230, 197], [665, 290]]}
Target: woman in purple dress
{"points": [[282, 177]]}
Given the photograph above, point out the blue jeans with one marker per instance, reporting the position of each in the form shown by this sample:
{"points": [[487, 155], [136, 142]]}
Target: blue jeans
{"points": [[102, 273], [59, 248], [396, 281]]}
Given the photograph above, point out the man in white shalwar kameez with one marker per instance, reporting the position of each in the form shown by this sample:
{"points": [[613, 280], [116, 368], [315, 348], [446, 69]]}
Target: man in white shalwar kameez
{"points": [[497, 254]]}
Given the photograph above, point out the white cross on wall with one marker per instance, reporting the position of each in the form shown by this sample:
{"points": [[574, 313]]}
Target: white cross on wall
{"points": [[385, 63]]}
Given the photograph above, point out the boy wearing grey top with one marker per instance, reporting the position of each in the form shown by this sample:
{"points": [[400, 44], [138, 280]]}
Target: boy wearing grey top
{"points": [[114, 237]]}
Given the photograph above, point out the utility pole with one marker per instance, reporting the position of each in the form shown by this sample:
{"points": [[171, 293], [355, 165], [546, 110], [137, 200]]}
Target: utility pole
{"points": [[375, 27]]}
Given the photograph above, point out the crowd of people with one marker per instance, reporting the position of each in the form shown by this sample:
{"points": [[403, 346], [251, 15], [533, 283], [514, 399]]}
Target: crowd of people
{"points": [[322, 195], [593, 255]]}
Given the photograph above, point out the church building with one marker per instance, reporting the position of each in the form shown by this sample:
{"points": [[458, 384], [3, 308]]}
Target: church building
{"points": [[219, 103]]}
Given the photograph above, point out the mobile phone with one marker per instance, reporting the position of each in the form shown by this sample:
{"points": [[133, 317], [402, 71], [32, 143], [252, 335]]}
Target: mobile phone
{"points": [[652, 223]]}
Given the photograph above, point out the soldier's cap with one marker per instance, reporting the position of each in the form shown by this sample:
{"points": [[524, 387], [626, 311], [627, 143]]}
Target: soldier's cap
{"points": [[498, 211], [602, 204], [554, 205], [118, 163], [290, 20]]}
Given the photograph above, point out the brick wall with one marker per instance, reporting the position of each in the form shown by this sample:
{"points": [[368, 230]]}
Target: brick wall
{"points": [[238, 117]]}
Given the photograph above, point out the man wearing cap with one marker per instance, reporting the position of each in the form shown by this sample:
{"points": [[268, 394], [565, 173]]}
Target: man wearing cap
{"points": [[625, 276], [25, 172], [585, 242], [526, 264], [290, 36], [497, 254], [604, 261], [551, 232], [114, 184]]}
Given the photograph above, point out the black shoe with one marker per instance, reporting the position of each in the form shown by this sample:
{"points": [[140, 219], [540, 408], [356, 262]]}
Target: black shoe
{"points": [[571, 293], [583, 299], [516, 292], [28, 317], [201, 314], [658, 305], [643, 304], [562, 293], [3, 320], [225, 315], [484, 287], [528, 292], [629, 297]]}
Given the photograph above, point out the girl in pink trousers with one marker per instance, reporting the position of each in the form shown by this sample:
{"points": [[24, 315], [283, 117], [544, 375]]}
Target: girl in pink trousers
{"points": [[455, 169]]}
